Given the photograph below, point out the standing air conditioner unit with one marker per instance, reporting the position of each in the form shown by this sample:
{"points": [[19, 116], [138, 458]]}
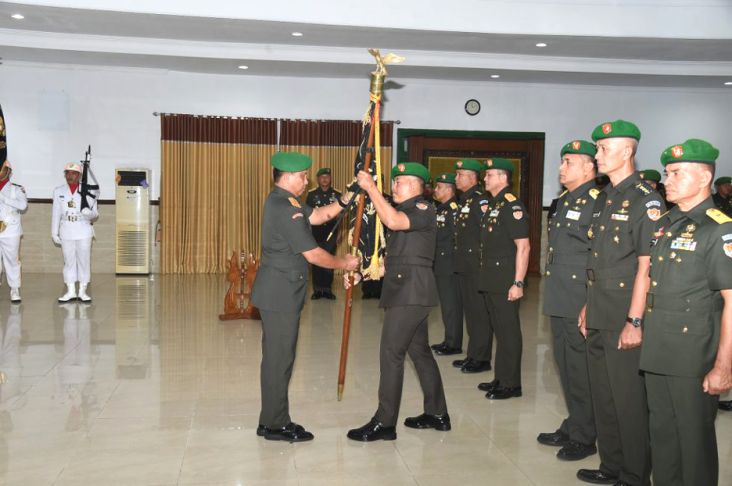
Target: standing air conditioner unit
{"points": [[133, 221]]}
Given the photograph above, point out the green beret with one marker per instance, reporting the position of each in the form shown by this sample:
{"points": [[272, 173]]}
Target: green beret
{"points": [[447, 178], [469, 164], [412, 169], [693, 150], [498, 163], [723, 180], [650, 175], [290, 161], [615, 129], [582, 147], [324, 170]]}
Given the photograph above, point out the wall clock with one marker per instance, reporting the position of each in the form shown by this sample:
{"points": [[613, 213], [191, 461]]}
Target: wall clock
{"points": [[472, 107]]}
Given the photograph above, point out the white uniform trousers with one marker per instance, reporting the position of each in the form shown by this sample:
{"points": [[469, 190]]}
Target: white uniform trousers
{"points": [[77, 260], [9, 260]]}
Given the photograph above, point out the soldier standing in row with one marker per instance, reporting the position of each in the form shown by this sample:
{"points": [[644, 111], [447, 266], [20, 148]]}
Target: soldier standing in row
{"points": [[323, 195], [687, 343], [71, 227], [408, 294], [623, 225], [723, 194], [504, 261], [448, 287], [565, 294], [13, 201], [467, 266], [280, 288]]}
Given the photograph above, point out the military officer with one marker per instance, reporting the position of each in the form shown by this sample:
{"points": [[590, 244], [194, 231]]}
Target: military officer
{"points": [[467, 265], [565, 294], [13, 201], [723, 194], [281, 283], [653, 178], [504, 260], [687, 342], [323, 195], [448, 287], [71, 227], [622, 228], [409, 291]]}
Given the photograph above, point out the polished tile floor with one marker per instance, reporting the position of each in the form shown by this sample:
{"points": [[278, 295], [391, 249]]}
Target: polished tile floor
{"points": [[146, 387]]}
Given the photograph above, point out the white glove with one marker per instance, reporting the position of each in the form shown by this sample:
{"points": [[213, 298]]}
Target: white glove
{"points": [[86, 212], [56, 239]]}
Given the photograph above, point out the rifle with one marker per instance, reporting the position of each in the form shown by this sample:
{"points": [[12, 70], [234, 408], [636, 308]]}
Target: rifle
{"points": [[85, 189]]}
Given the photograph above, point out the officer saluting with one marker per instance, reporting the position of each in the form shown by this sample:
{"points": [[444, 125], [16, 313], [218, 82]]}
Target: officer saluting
{"points": [[467, 265], [622, 228], [409, 292], [12, 202], [687, 342], [323, 195], [71, 227], [279, 289], [448, 286], [565, 294], [504, 260]]}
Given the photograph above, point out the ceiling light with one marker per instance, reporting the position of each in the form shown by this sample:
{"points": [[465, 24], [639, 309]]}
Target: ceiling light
{"points": [[18, 16], [495, 76], [243, 67], [297, 34], [728, 83], [541, 44]]}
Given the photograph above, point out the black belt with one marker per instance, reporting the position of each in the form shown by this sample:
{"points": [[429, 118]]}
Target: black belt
{"points": [[594, 274], [675, 304]]}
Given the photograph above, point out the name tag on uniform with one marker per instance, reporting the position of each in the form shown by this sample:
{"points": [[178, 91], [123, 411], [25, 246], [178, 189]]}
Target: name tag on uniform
{"points": [[619, 217], [573, 215], [493, 213], [683, 244], [465, 210]]}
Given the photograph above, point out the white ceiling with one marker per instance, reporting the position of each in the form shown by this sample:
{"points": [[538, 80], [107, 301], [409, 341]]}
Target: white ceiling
{"points": [[95, 37]]}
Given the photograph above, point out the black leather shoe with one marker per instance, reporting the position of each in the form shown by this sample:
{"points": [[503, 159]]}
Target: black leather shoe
{"points": [[435, 347], [576, 451], [448, 351], [557, 438], [488, 385], [261, 429], [725, 405], [374, 430], [291, 432], [329, 295], [595, 476], [426, 421], [316, 295], [622, 483], [476, 366], [504, 392], [459, 363]]}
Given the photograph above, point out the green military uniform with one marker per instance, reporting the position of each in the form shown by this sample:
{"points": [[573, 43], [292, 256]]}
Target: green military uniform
{"points": [[448, 286], [409, 291], [467, 264], [565, 293], [323, 277], [504, 220], [691, 263], [723, 203], [279, 293], [621, 231]]}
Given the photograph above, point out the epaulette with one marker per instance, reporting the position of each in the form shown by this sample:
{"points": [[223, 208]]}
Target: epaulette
{"points": [[564, 193], [294, 202], [644, 188], [509, 197], [453, 205], [718, 216], [594, 192]]}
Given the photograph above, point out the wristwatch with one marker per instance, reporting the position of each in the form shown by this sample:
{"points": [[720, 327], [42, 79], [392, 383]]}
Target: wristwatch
{"points": [[636, 321], [518, 283]]}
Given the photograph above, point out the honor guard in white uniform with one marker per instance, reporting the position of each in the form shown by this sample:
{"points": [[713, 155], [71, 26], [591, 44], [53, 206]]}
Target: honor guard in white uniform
{"points": [[71, 227], [12, 202]]}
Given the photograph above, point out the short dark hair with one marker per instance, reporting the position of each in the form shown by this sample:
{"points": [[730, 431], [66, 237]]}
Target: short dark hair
{"points": [[508, 173], [276, 174]]}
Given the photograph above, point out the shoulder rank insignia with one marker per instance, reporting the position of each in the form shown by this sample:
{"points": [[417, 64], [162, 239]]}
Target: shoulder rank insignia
{"points": [[718, 216], [453, 205], [594, 192], [294, 202], [509, 197], [641, 186], [421, 205], [563, 193]]}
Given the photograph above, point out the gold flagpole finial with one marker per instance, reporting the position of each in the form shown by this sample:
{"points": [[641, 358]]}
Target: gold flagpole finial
{"points": [[377, 77]]}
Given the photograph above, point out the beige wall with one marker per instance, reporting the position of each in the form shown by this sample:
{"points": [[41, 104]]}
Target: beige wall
{"points": [[40, 255]]}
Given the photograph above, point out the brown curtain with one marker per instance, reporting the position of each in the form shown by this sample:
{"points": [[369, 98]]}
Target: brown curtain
{"points": [[334, 144], [215, 176]]}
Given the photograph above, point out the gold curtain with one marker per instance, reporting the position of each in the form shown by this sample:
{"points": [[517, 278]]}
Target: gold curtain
{"points": [[215, 176]]}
